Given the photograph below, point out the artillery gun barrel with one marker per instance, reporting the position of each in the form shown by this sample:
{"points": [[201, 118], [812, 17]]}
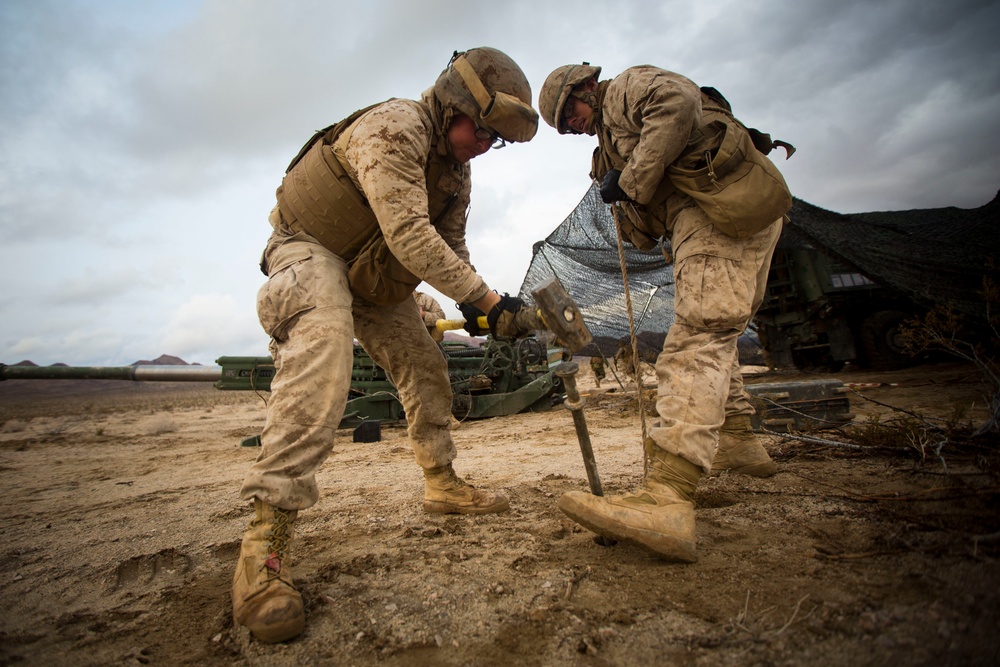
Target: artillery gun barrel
{"points": [[140, 373]]}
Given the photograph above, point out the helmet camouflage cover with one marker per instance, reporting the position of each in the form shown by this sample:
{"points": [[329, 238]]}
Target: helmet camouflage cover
{"points": [[488, 86], [557, 88]]}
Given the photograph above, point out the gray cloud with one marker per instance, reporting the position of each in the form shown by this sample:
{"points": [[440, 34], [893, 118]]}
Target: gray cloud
{"points": [[142, 142]]}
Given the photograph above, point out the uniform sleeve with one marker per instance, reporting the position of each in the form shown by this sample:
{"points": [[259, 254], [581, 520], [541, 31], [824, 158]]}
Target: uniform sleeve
{"points": [[452, 225], [388, 151], [664, 109]]}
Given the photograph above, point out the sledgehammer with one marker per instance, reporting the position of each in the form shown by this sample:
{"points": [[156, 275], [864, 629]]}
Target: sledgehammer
{"points": [[567, 372], [556, 312]]}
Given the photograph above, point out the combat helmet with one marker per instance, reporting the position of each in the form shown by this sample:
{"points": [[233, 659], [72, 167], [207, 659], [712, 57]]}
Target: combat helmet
{"points": [[558, 87], [488, 86]]}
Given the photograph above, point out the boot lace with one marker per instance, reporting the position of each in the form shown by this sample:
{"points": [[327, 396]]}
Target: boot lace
{"points": [[277, 545]]}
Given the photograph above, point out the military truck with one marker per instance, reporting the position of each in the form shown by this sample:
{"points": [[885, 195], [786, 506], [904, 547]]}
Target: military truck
{"points": [[820, 313], [841, 285]]}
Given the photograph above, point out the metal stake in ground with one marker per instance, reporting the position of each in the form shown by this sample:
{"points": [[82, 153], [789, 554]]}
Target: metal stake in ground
{"points": [[567, 372]]}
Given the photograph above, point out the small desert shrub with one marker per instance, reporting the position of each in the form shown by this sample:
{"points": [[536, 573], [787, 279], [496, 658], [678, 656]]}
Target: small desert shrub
{"points": [[161, 425], [943, 329]]}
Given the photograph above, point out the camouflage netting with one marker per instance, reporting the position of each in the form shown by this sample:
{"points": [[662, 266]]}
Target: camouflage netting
{"points": [[932, 256], [582, 253]]}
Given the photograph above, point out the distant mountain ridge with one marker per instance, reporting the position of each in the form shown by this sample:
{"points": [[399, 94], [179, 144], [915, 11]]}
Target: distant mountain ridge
{"points": [[162, 360]]}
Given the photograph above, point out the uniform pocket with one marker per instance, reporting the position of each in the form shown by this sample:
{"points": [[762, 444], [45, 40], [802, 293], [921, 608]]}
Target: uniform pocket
{"points": [[695, 234], [713, 293], [282, 299]]}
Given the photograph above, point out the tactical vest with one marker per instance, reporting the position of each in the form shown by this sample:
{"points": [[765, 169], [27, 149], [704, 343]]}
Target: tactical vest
{"points": [[318, 196]]}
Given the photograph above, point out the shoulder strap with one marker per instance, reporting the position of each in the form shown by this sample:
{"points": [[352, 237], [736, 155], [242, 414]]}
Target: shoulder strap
{"points": [[761, 140], [329, 133]]}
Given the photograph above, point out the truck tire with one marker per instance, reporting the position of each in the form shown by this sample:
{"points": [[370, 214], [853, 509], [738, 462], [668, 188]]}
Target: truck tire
{"points": [[879, 337]]}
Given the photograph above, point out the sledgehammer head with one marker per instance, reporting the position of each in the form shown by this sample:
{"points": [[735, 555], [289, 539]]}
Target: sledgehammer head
{"points": [[561, 316]]}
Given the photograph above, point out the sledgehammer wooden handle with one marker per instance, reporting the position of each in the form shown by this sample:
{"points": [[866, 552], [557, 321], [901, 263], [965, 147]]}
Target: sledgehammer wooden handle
{"points": [[567, 372]]}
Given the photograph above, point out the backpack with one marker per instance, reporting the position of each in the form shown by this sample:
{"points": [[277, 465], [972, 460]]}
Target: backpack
{"points": [[726, 172]]}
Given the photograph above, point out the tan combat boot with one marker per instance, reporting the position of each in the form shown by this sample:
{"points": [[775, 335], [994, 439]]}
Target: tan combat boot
{"points": [[264, 597], [740, 450], [447, 493], [659, 516]]}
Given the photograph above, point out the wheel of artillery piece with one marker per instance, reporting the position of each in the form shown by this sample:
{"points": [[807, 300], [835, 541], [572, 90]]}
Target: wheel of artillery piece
{"points": [[499, 356], [530, 351]]}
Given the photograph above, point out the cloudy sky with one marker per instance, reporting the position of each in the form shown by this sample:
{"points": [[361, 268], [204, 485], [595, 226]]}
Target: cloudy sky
{"points": [[141, 142]]}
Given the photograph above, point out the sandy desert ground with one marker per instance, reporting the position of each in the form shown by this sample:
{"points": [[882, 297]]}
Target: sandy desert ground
{"points": [[123, 522]]}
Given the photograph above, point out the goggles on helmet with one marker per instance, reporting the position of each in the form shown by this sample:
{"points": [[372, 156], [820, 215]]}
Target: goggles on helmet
{"points": [[508, 117]]}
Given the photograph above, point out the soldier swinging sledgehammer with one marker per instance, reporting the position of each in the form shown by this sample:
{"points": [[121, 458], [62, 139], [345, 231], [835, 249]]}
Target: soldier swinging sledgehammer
{"points": [[370, 207]]}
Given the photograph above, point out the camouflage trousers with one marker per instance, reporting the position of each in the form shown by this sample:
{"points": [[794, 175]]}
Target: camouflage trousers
{"points": [[312, 318], [719, 284]]}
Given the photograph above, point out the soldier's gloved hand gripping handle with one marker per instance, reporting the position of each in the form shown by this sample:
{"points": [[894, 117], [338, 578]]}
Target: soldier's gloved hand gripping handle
{"points": [[510, 319], [610, 190], [471, 315]]}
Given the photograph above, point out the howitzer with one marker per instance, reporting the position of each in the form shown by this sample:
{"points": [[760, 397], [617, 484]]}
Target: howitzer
{"points": [[499, 378]]}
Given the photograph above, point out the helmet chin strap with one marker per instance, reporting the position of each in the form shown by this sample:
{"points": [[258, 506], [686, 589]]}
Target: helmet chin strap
{"points": [[447, 115]]}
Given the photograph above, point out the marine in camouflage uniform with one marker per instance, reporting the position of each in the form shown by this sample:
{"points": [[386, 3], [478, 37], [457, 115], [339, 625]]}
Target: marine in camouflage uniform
{"points": [[430, 312], [405, 165], [597, 366], [644, 119]]}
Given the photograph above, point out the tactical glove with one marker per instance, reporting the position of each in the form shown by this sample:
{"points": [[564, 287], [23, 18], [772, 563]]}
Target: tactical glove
{"points": [[510, 319], [610, 190], [471, 315]]}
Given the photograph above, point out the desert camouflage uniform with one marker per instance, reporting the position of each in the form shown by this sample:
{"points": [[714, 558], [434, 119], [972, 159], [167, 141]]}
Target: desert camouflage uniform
{"points": [[720, 280], [597, 366], [431, 311], [307, 308]]}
